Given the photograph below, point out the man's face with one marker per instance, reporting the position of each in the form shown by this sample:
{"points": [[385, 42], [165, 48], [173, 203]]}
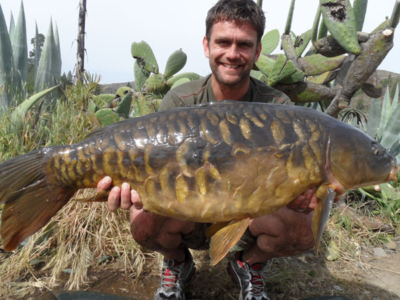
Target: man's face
{"points": [[232, 51]]}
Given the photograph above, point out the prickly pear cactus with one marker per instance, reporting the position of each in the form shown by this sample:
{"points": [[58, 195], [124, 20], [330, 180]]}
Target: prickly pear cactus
{"points": [[324, 72], [175, 63]]}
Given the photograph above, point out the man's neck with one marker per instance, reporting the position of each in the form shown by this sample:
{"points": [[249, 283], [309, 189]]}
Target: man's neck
{"points": [[224, 92]]}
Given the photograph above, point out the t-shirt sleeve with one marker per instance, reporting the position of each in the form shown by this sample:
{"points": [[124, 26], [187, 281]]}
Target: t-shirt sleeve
{"points": [[171, 100]]}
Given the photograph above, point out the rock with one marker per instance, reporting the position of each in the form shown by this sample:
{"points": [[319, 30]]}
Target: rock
{"points": [[391, 245], [379, 253]]}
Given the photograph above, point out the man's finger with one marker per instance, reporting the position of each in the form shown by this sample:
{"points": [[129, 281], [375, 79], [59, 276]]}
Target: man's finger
{"points": [[104, 184], [113, 202], [126, 196], [135, 199]]}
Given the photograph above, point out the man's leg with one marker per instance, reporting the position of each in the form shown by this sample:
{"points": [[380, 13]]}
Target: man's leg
{"points": [[164, 235], [283, 233]]}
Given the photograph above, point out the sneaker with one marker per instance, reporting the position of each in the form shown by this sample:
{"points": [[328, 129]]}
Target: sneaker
{"points": [[248, 277], [174, 277]]}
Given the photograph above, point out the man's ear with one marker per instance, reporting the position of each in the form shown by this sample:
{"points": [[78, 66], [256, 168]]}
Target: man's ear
{"points": [[205, 46], [258, 52]]}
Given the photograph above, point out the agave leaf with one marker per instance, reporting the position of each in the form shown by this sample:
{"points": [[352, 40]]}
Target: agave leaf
{"points": [[360, 9], [395, 100], [391, 133], [12, 26], [48, 70], [20, 50], [18, 115], [270, 41], [38, 51], [6, 63], [385, 115], [58, 47], [374, 117], [395, 149]]}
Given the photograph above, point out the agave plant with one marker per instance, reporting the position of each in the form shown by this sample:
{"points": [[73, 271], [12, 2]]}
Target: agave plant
{"points": [[14, 61], [384, 122]]}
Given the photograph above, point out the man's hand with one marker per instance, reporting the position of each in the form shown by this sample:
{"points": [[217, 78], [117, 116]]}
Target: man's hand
{"points": [[122, 197], [306, 202]]}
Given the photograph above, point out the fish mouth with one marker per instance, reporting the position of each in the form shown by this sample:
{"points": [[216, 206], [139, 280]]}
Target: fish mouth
{"points": [[393, 173]]}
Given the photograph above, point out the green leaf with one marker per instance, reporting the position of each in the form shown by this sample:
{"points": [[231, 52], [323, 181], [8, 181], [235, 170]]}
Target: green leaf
{"points": [[38, 52], [189, 75], [385, 115], [123, 90], [395, 100], [58, 47], [145, 56], [141, 75], [374, 117], [391, 131], [270, 41], [179, 82], [12, 26], [176, 61], [18, 115], [342, 29], [106, 116], [48, 70], [303, 42], [6, 63], [156, 83], [265, 64], [20, 51], [124, 107], [360, 9]]}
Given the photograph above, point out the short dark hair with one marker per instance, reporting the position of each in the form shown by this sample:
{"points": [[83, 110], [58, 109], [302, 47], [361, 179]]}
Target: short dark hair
{"points": [[240, 11]]}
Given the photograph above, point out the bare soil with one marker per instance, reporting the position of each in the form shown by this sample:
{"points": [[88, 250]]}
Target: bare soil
{"points": [[289, 278]]}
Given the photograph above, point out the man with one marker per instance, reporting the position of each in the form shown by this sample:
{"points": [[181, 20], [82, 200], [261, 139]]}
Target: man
{"points": [[234, 29]]}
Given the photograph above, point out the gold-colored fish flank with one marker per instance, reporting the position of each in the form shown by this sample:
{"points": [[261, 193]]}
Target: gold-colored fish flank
{"points": [[218, 162]]}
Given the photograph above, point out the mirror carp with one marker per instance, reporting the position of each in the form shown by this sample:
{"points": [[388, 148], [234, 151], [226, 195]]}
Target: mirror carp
{"points": [[224, 162]]}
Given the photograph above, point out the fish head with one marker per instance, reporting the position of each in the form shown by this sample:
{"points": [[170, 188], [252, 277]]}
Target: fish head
{"points": [[354, 159]]}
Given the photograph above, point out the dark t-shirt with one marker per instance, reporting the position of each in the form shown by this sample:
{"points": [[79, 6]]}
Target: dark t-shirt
{"points": [[200, 91]]}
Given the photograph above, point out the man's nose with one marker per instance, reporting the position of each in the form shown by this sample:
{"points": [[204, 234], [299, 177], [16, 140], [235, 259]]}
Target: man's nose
{"points": [[233, 52]]}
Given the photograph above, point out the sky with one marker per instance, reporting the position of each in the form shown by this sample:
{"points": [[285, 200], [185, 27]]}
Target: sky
{"points": [[112, 26]]}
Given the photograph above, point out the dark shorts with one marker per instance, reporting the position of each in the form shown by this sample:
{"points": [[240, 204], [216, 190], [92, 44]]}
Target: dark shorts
{"points": [[197, 239]]}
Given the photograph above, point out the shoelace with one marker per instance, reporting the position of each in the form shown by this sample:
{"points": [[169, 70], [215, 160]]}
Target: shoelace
{"points": [[257, 284], [170, 277]]}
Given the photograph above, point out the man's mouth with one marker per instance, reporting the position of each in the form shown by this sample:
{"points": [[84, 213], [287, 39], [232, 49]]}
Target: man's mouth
{"points": [[230, 66]]}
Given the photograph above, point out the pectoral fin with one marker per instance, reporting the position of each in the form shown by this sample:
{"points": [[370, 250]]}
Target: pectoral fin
{"points": [[101, 196], [214, 228], [225, 238], [321, 216]]}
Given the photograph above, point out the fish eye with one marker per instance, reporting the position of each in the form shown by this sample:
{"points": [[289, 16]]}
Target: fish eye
{"points": [[378, 151]]}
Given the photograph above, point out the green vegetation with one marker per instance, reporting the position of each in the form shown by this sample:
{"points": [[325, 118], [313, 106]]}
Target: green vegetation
{"points": [[62, 253]]}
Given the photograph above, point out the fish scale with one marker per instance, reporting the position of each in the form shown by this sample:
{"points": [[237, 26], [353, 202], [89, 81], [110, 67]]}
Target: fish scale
{"points": [[218, 162]]}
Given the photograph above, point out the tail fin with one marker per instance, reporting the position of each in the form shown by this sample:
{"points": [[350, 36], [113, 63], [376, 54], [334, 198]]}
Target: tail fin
{"points": [[29, 200]]}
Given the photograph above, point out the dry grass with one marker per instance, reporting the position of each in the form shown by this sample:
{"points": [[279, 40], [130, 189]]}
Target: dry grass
{"points": [[79, 236]]}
